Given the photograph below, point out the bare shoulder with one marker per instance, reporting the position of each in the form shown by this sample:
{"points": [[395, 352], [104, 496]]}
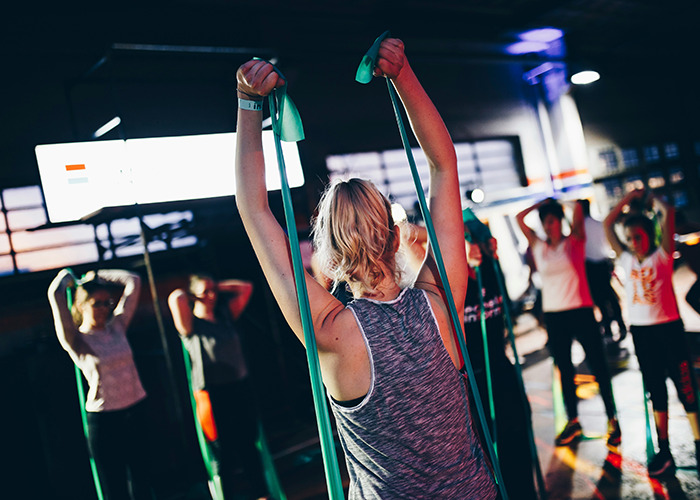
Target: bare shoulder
{"points": [[339, 332]]}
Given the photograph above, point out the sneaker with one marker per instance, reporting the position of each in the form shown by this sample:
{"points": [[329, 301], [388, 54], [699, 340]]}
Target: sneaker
{"points": [[572, 432], [614, 434], [661, 464]]}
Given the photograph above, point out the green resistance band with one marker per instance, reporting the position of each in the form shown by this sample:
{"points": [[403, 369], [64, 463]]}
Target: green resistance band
{"points": [[481, 232], [364, 75], [648, 423], [286, 124], [557, 401], [519, 370], [81, 402], [210, 464], [487, 360], [273, 483]]}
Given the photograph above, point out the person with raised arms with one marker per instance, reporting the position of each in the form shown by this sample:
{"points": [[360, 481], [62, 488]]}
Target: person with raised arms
{"points": [[390, 359], [656, 325]]}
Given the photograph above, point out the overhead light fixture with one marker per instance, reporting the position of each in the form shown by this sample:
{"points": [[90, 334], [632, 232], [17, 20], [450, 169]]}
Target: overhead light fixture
{"points": [[526, 47], [538, 40], [114, 122], [585, 77], [544, 35], [476, 195]]}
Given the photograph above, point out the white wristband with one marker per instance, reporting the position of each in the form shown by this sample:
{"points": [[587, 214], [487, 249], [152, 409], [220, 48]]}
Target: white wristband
{"points": [[250, 105]]}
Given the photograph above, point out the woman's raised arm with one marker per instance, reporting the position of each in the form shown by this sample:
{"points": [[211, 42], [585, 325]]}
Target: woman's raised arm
{"points": [[257, 79]]}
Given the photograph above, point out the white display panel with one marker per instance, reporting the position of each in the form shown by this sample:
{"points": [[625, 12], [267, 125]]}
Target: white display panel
{"points": [[80, 178]]}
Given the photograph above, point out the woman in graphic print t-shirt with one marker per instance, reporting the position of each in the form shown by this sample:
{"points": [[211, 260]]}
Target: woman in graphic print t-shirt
{"points": [[656, 326]]}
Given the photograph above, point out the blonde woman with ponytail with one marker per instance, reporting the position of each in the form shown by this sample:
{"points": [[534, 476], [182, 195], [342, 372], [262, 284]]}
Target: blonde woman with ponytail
{"points": [[389, 360]]}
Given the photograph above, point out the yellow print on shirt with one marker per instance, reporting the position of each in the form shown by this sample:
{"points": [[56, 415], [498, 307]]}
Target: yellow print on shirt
{"points": [[643, 279]]}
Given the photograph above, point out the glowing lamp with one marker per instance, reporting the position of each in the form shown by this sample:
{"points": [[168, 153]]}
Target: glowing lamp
{"points": [[585, 77]]}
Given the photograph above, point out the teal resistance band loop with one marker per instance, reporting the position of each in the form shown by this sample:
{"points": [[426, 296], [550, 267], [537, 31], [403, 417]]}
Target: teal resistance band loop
{"points": [[487, 361], [286, 123], [647, 421], [83, 416], [273, 483], [210, 465], [330, 460], [365, 71], [443, 274], [479, 231], [557, 401], [432, 238], [81, 402]]}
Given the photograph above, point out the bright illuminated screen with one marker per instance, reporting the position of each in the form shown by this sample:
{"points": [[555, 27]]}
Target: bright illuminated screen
{"points": [[82, 177]]}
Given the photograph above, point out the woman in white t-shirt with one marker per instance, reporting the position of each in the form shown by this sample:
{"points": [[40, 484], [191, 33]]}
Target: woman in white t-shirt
{"points": [[568, 310], [656, 326]]}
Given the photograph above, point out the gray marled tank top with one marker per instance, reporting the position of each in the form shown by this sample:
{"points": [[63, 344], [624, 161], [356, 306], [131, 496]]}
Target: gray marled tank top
{"points": [[411, 437]]}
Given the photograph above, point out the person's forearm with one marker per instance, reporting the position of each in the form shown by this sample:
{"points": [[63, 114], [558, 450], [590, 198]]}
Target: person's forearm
{"points": [[616, 211], [250, 166], [234, 286], [63, 321], [118, 277]]}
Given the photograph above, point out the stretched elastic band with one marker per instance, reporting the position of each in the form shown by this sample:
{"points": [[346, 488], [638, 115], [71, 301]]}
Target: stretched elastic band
{"points": [[81, 400], [286, 121], [478, 231], [458, 327], [286, 125]]}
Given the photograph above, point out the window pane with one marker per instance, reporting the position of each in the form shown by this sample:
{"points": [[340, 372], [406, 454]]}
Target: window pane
{"points": [[185, 241], [671, 150], [651, 154], [57, 236], [6, 266], [630, 157], [55, 258], [24, 197], [26, 219], [4, 244]]}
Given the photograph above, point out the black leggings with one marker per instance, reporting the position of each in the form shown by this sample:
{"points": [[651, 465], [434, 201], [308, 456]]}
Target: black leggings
{"points": [[235, 413], [662, 352], [562, 328], [117, 442], [604, 296]]}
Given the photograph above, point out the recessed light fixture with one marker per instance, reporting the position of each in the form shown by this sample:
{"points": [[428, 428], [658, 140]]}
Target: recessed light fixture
{"points": [[585, 77], [107, 127], [544, 35]]}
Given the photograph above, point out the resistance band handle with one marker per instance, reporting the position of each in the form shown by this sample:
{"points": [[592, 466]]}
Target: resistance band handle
{"points": [[286, 121], [330, 461]]}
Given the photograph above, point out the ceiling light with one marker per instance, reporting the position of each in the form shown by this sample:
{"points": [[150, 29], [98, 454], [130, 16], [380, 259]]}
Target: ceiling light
{"points": [[585, 77], [476, 195], [544, 35], [526, 47], [107, 127]]}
